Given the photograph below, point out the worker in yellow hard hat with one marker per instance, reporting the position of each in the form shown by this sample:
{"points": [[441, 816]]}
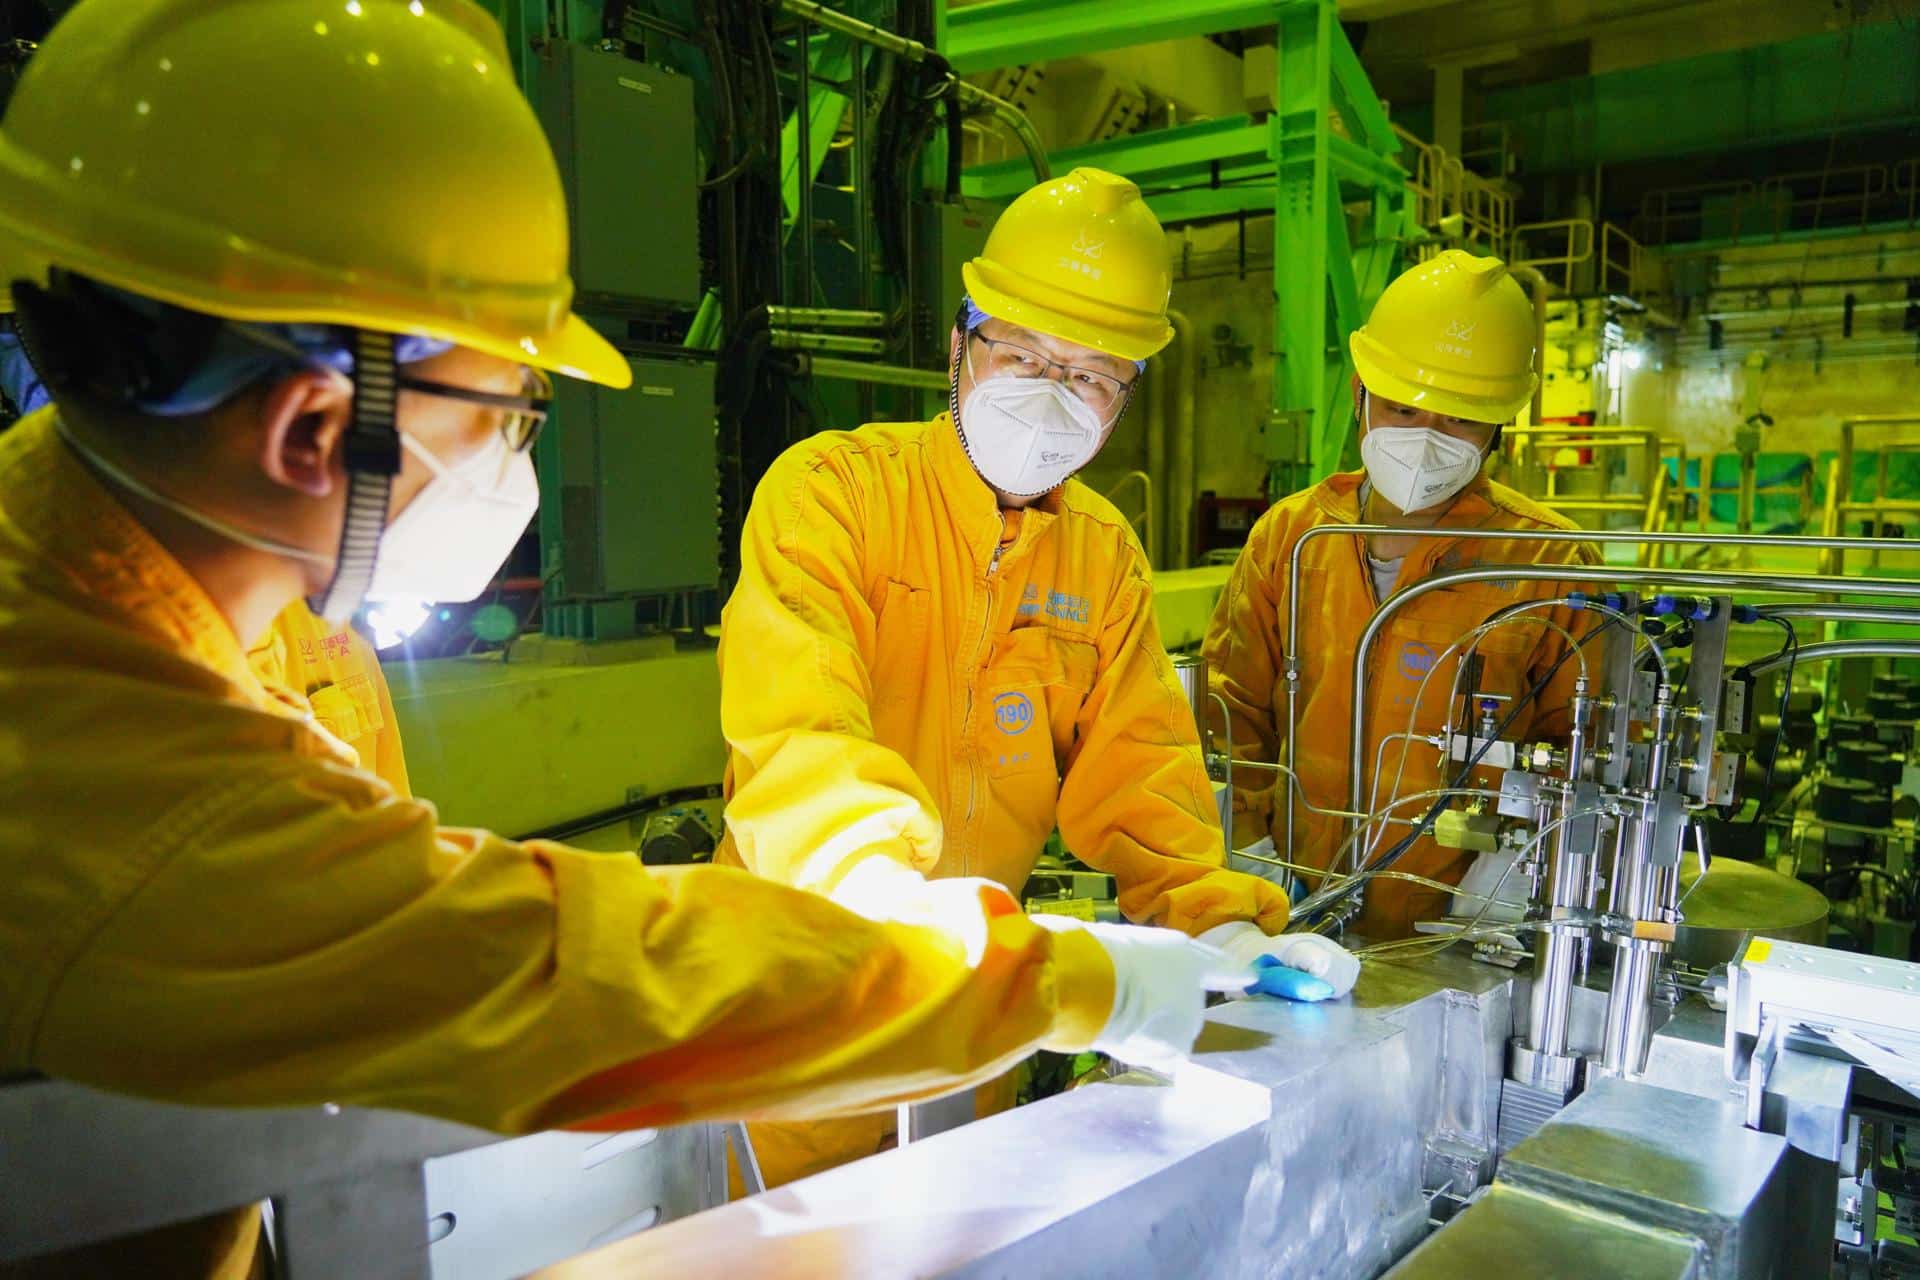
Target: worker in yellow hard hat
{"points": [[942, 646], [322, 669], [1445, 359], [296, 277]]}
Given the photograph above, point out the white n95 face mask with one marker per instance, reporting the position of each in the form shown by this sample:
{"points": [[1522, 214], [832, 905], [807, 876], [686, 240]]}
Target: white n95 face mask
{"points": [[446, 544], [1026, 435], [1417, 467]]}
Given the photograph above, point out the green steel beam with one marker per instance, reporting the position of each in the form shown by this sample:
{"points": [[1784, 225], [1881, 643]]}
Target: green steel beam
{"points": [[826, 108], [1302, 85], [1358, 104], [1354, 163], [1011, 33], [1292, 164], [1323, 284], [1159, 157], [1198, 204]]}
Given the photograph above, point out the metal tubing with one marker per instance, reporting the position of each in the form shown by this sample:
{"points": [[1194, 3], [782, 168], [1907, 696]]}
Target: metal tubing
{"points": [[1017, 124], [1625, 1041], [824, 318], [1844, 613], [1832, 650], [887, 375], [1554, 535], [797, 340], [803, 141], [1550, 1007], [1629, 1008], [1805, 583], [864, 32], [862, 179], [1294, 559], [913, 51]]}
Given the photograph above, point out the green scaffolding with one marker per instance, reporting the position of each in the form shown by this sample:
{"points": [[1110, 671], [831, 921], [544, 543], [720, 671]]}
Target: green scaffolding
{"points": [[1336, 190]]}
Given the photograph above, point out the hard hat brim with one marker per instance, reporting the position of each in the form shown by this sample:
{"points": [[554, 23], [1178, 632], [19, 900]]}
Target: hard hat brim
{"points": [[1416, 386], [1123, 343]]}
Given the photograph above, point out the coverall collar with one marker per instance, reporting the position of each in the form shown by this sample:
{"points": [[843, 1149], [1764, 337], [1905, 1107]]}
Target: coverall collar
{"points": [[77, 524], [976, 509]]}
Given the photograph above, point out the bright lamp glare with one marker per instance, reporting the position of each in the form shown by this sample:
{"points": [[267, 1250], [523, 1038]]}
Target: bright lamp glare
{"points": [[392, 621], [1633, 358]]}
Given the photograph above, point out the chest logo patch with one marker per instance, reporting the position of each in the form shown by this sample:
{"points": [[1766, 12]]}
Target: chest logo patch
{"points": [[1416, 660], [1013, 712]]}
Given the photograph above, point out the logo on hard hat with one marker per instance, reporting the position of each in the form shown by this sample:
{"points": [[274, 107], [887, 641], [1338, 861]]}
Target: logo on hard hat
{"points": [[1088, 248], [1460, 330], [1013, 712]]}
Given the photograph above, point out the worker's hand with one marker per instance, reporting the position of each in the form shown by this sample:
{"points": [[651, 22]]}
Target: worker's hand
{"points": [[1330, 969], [1160, 982], [885, 891]]}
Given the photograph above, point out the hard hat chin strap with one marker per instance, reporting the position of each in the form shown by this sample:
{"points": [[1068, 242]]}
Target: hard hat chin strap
{"points": [[372, 455]]}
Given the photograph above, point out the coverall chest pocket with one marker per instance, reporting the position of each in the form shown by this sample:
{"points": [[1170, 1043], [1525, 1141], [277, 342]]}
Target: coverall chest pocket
{"points": [[349, 710], [1411, 652], [900, 658], [1032, 687]]}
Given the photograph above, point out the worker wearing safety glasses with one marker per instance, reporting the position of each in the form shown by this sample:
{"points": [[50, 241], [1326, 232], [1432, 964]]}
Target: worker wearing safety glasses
{"points": [[1444, 360], [303, 353], [942, 647], [322, 669]]}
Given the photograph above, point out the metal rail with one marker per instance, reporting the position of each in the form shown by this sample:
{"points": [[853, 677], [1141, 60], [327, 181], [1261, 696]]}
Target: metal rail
{"points": [[1810, 584], [913, 51], [888, 375], [1833, 650], [1550, 536]]}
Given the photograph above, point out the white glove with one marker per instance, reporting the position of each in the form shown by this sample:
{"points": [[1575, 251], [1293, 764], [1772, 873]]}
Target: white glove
{"points": [[1160, 982], [1312, 954], [886, 892]]}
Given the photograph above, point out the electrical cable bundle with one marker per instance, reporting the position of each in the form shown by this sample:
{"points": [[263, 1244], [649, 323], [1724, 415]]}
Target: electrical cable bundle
{"points": [[911, 107], [758, 411]]}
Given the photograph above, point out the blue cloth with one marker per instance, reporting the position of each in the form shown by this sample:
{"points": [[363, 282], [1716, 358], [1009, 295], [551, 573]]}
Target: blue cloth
{"points": [[17, 378], [976, 317], [245, 353], [1271, 978]]}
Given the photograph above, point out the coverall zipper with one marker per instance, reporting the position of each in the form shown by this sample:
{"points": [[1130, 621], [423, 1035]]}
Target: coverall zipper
{"points": [[966, 725]]}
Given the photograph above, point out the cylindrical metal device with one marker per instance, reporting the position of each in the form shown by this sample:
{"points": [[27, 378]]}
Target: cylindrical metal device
{"points": [[1191, 670]]}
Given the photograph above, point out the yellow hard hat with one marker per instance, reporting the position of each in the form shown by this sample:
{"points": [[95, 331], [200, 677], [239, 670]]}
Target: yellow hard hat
{"points": [[1453, 335], [356, 162], [1082, 259]]}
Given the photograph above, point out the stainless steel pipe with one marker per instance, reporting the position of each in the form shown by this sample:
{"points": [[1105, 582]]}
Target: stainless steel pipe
{"points": [[1607, 576], [1831, 650], [1291, 661]]}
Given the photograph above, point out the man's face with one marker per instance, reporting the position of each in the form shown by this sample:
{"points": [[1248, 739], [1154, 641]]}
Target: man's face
{"points": [[1382, 413], [451, 430], [998, 349]]}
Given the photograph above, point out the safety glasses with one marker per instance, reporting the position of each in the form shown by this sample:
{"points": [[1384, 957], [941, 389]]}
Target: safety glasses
{"points": [[524, 415], [1100, 392]]}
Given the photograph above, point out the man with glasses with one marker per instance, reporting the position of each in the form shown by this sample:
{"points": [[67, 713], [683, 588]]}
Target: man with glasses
{"points": [[941, 646], [299, 352]]}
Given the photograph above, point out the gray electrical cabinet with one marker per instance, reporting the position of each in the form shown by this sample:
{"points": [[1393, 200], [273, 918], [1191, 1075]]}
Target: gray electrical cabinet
{"points": [[636, 473], [623, 134]]}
